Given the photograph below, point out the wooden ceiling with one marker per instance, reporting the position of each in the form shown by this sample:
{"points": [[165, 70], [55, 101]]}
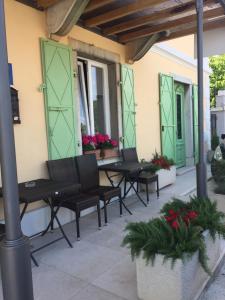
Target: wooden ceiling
{"points": [[129, 20]]}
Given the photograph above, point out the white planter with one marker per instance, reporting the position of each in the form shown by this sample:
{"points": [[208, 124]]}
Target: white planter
{"points": [[183, 282], [166, 177]]}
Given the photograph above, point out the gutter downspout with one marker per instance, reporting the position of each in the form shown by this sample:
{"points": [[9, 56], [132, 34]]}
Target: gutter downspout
{"points": [[15, 247], [201, 166]]}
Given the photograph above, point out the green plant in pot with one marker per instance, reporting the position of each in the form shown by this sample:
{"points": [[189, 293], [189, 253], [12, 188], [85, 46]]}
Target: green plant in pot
{"points": [[178, 233]]}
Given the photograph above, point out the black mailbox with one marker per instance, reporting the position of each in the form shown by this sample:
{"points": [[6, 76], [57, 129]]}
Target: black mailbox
{"points": [[15, 106]]}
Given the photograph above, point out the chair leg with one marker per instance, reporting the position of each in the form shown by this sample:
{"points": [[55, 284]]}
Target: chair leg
{"points": [[121, 207], [157, 183], [105, 213], [125, 188], [137, 186], [147, 194], [78, 224], [99, 216]]}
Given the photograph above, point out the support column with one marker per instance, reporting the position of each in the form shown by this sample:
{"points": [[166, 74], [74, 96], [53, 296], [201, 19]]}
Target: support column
{"points": [[201, 166], [14, 249]]}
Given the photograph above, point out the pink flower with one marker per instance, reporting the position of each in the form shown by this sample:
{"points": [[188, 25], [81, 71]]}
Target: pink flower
{"points": [[85, 140], [113, 143]]}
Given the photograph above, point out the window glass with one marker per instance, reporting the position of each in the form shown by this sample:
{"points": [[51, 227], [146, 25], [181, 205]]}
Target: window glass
{"points": [[98, 99], [179, 117], [84, 113]]}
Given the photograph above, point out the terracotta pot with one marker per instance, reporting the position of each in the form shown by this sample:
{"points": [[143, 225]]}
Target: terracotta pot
{"points": [[97, 153], [109, 153]]}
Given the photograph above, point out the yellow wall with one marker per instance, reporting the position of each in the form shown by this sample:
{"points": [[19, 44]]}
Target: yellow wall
{"points": [[24, 28], [147, 97]]}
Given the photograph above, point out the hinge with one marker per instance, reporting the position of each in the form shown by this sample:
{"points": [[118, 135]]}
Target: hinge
{"points": [[120, 82], [75, 74], [42, 87]]}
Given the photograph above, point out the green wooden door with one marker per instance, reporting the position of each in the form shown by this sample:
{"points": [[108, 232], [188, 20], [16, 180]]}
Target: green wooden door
{"points": [[128, 105], [59, 99], [167, 116], [180, 129], [195, 121]]}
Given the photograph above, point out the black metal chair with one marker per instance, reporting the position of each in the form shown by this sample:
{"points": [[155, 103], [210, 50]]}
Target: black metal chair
{"points": [[89, 179], [65, 170], [144, 177]]}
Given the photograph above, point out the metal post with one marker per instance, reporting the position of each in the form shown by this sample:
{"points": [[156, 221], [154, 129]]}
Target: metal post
{"points": [[15, 249], [201, 166]]}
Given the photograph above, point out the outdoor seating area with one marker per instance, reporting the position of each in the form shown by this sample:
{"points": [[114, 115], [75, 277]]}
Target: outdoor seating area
{"points": [[97, 267], [74, 184]]}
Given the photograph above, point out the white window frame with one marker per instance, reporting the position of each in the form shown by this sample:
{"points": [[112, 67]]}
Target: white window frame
{"points": [[83, 91], [90, 64]]}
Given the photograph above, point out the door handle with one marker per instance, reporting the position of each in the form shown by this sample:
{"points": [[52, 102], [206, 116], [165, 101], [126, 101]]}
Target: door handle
{"points": [[162, 127], [58, 108]]}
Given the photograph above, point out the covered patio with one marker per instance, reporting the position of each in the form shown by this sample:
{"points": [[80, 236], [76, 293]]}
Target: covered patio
{"points": [[98, 268], [138, 25]]}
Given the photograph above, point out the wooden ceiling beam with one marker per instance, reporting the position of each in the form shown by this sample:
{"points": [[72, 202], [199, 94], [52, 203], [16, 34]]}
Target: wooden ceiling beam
{"points": [[207, 26], [95, 4], [212, 13], [162, 14], [123, 11], [46, 3]]}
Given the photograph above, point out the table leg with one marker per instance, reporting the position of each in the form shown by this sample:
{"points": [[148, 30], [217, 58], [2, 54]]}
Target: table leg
{"points": [[23, 211], [54, 217]]}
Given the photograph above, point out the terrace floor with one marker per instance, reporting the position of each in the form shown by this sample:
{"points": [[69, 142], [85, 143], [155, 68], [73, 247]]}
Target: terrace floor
{"points": [[98, 268]]}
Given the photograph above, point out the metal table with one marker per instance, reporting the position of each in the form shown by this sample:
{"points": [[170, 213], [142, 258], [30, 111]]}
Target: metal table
{"points": [[126, 169], [46, 190]]}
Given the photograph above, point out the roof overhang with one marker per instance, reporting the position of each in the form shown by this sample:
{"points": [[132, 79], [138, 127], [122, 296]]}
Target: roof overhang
{"points": [[140, 23]]}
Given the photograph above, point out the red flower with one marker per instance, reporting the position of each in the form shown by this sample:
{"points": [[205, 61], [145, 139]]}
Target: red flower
{"points": [[171, 212], [192, 214], [175, 225]]}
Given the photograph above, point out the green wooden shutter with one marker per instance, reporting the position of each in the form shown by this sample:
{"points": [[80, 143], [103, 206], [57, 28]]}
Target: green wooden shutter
{"points": [[128, 105], [195, 121], [167, 116], [59, 99]]}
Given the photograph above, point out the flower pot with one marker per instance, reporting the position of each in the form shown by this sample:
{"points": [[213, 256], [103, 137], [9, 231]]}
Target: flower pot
{"points": [[166, 177], [97, 153], [184, 282], [109, 153]]}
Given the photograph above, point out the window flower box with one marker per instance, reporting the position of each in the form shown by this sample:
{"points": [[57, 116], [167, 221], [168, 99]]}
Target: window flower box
{"points": [[97, 153], [184, 282], [109, 153]]}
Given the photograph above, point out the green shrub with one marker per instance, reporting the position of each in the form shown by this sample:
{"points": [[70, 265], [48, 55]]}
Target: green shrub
{"points": [[218, 170], [214, 142], [209, 218]]}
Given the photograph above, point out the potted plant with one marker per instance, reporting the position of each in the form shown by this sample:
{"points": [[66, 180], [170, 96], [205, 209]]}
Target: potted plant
{"points": [[183, 247], [214, 143], [166, 169], [89, 145], [108, 146]]}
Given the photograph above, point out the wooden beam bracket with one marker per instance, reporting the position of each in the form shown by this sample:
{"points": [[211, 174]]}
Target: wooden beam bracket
{"points": [[137, 49], [62, 16]]}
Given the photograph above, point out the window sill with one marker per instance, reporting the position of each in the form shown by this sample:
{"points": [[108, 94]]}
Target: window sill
{"points": [[111, 155]]}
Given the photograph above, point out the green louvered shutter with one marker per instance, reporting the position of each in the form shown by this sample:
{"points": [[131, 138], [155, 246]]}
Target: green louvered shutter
{"points": [[59, 99], [167, 116], [195, 121], [128, 104]]}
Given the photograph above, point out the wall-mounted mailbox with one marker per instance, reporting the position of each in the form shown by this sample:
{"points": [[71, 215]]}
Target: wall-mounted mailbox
{"points": [[15, 106]]}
